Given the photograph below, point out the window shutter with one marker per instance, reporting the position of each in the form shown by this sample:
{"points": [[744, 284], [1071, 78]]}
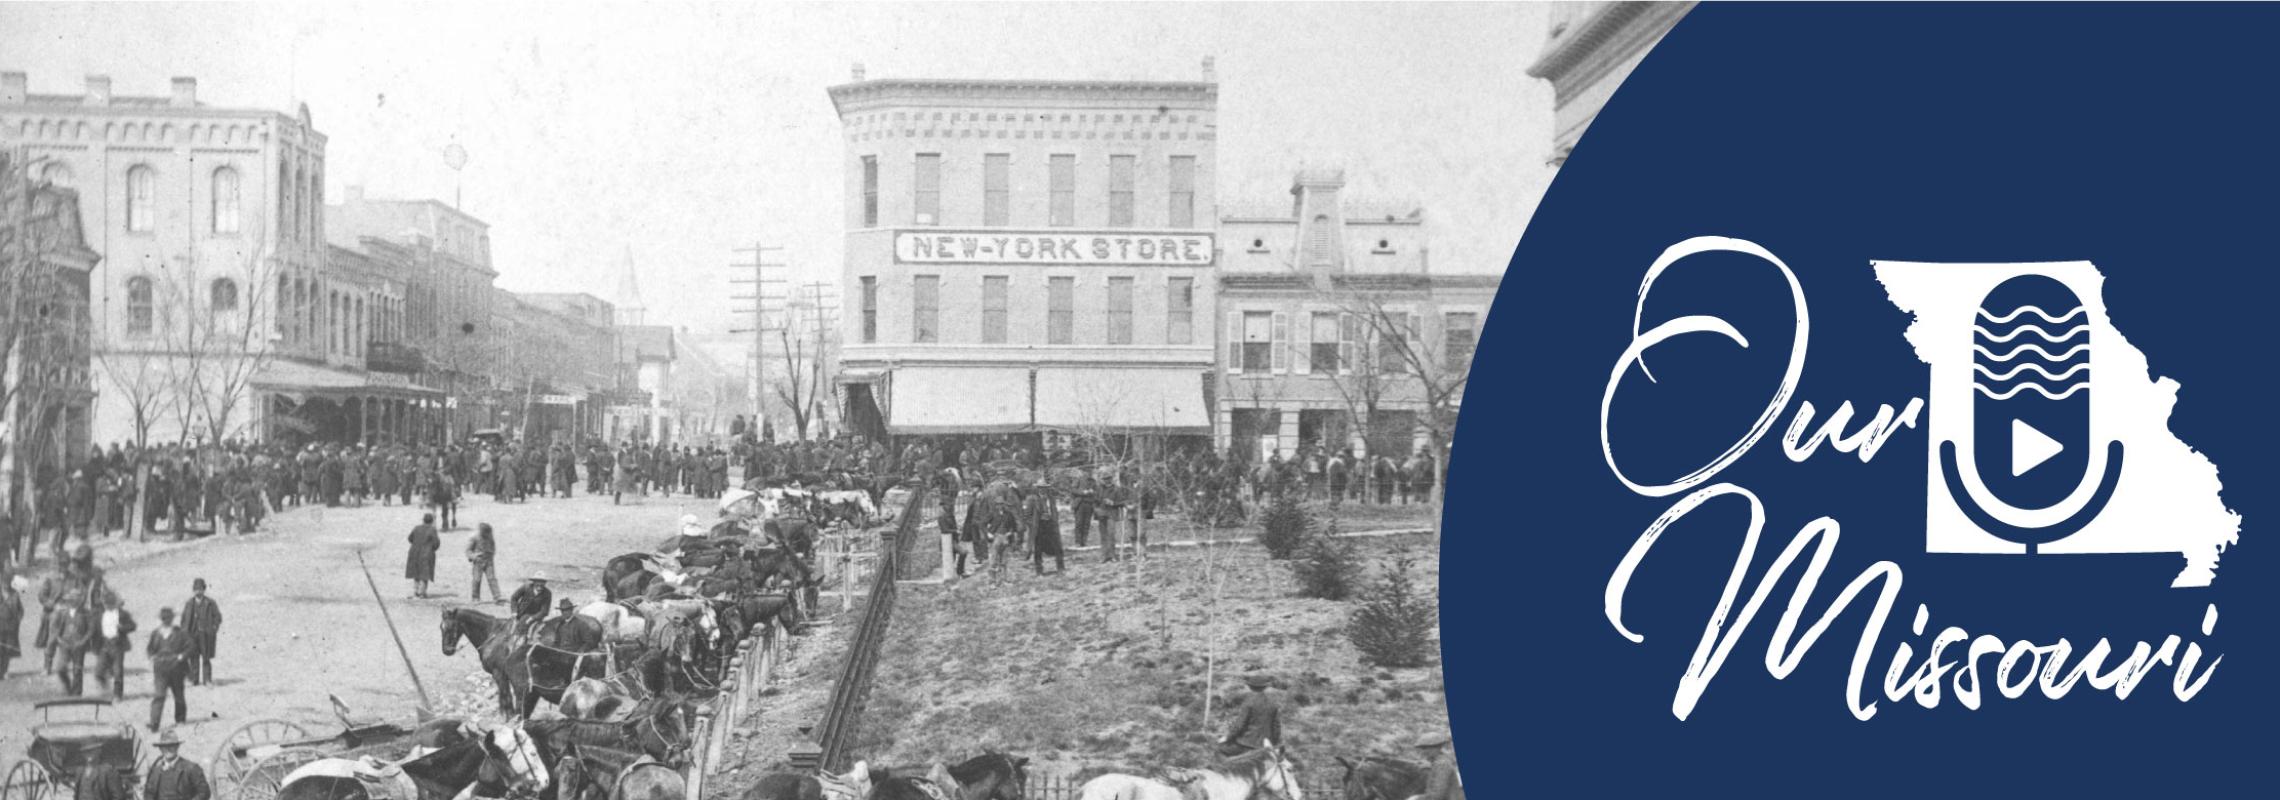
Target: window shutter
{"points": [[1281, 346], [1235, 341], [1302, 354], [1349, 329]]}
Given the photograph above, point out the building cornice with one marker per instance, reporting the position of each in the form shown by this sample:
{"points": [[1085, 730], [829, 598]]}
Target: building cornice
{"points": [[849, 97], [1617, 28]]}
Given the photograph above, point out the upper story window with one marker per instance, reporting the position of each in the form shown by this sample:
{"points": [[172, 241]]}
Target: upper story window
{"points": [[870, 309], [224, 295], [926, 308], [1062, 183], [142, 199], [58, 174], [1397, 329], [1120, 191], [1256, 345], [1060, 310], [284, 201], [870, 191], [226, 218], [926, 190], [996, 189], [993, 309], [139, 307], [1460, 329], [1326, 343], [1183, 192], [1179, 307], [1120, 310]]}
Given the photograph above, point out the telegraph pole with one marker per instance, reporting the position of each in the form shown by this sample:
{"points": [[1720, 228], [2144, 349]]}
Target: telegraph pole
{"points": [[826, 320], [760, 281]]}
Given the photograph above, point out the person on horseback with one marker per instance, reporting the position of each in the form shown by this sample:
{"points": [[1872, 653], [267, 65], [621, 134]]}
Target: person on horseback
{"points": [[1259, 722], [531, 602]]}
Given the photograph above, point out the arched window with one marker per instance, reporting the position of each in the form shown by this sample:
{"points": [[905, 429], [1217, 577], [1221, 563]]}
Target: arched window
{"points": [[58, 174], [138, 306], [317, 206], [284, 295], [1318, 241], [225, 295], [226, 200], [356, 334], [142, 198], [284, 201]]}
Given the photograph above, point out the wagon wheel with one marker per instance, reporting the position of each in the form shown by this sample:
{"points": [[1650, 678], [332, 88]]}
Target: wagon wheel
{"points": [[28, 781], [262, 780], [248, 744]]}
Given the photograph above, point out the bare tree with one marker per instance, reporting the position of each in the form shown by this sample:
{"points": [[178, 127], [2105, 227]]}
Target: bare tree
{"points": [[803, 378], [43, 346], [217, 332], [1408, 364]]}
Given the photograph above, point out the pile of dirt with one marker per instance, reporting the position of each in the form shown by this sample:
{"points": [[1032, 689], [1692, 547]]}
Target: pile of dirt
{"points": [[1104, 668]]}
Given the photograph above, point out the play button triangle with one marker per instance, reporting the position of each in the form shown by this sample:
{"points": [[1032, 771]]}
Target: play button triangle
{"points": [[2030, 447]]}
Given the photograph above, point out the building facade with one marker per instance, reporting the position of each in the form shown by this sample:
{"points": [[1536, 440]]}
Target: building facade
{"points": [[46, 336], [1590, 48], [1027, 255], [449, 290], [209, 226], [1330, 312], [556, 364]]}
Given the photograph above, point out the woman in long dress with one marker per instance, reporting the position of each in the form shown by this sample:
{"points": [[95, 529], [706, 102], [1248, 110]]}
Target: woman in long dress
{"points": [[419, 563]]}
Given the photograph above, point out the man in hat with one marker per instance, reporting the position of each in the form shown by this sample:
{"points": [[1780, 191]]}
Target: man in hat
{"points": [[173, 777], [1044, 516], [102, 780], [1257, 725], [202, 618], [170, 651], [1441, 779], [482, 559], [531, 602], [11, 621], [114, 631]]}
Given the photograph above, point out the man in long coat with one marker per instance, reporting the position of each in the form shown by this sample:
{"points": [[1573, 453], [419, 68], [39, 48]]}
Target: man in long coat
{"points": [[419, 562], [171, 650], [1044, 518], [11, 622], [202, 619], [173, 777]]}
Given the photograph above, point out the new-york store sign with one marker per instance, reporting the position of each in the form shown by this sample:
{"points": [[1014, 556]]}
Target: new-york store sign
{"points": [[1087, 248]]}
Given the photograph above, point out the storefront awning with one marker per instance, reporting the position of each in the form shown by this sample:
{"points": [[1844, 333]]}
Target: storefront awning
{"points": [[1122, 399], [310, 380], [930, 400]]}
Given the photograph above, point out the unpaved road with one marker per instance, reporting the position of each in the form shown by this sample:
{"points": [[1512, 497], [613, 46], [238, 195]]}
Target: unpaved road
{"points": [[300, 622]]}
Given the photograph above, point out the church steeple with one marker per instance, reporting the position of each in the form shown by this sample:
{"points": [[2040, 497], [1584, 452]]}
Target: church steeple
{"points": [[629, 308]]}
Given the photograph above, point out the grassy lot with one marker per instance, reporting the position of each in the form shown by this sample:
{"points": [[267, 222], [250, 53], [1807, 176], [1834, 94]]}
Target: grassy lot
{"points": [[1352, 517], [1103, 668]]}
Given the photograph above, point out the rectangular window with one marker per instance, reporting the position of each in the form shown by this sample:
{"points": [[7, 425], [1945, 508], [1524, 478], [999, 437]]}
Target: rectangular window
{"points": [[1183, 192], [1322, 351], [1258, 342], [925, 308], [926, 190], [870, 309], [870, 191], [1120, 191], [1179, 312], [1460, 329], [994, 188], [1063, 185], [1393, 342], [1120, 311], [993, 309], [1060, 310]]}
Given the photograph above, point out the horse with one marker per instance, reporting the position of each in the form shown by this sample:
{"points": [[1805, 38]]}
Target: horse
{"points": [[517, 664], [1380, 778], [899, 788], [1118, 786], [657, 728], [989, 776], [573, 632], [795, 533], [746, 614], [620, 567], [649, 780], [620, 623], [1265, 769], [855, 785], [594, 699]]}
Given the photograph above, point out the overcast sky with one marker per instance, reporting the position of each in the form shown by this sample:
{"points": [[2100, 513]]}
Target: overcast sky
{"points": [[682, 131]]}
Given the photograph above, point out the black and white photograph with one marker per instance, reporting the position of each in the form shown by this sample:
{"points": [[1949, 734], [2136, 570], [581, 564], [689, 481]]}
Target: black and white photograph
{"points": [[680, 401]]}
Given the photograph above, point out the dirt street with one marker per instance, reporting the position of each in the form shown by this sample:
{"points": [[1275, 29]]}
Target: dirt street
{"points": [[300, 622]]}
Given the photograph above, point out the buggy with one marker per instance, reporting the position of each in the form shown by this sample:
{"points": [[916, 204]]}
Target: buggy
{"points": [[60, 749]]}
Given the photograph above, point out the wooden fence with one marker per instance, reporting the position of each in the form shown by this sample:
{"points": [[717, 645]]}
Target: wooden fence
{"points": [[844, 715], [748, 672]]}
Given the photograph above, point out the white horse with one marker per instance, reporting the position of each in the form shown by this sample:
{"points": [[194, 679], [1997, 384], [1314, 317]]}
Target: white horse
{"points": [[514, 749], [620, 623], [1117, 786], [1263, 770]]}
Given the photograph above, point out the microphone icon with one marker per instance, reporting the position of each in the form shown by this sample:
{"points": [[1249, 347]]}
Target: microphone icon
{"points": [[2030, 413]]}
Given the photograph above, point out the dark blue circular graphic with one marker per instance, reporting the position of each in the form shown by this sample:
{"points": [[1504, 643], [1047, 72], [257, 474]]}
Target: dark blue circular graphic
{"points": [[1819, 205]]}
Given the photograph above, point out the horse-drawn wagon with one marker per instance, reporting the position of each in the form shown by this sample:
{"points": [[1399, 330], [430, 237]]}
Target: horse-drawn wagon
{"points": [[252, 762], [60, 749]]}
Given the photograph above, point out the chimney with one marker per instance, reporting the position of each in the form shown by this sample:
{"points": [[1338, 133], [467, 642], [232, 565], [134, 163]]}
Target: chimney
{"points": [[98, 90], [185, 93], [858, 72], [12, 88], [1210, 69]]}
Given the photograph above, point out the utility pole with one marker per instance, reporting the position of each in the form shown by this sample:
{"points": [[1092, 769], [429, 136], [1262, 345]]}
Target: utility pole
{"points": [[826, 320], [760, 282]]}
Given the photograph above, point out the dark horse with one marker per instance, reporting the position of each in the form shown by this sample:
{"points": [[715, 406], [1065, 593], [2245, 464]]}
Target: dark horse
{"points": [[748, 613], [658, 728], [524, 669], [1380, 778], [989, 776]]}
